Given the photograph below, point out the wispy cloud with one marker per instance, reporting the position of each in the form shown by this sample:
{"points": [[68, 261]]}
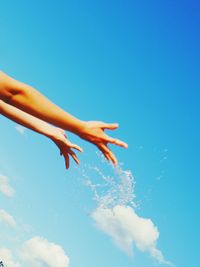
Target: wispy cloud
{"points": [[38, 251], [126, 229], [20, 129], [5, 187], [7, 258], [7, 218]]}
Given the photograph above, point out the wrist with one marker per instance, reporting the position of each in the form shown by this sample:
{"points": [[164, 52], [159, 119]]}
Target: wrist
{"points": [[78, 127], [50, 131]]}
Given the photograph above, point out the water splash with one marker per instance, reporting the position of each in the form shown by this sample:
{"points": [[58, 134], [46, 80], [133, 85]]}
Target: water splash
{"points": [[109, 190], [113, 190]]}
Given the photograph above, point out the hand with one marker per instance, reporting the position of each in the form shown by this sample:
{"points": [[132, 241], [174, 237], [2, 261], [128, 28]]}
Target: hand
{"points": [[93, 132], [59, 137]]}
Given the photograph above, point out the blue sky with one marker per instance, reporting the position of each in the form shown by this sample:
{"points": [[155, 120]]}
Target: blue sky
{"points": [[133, 62]]}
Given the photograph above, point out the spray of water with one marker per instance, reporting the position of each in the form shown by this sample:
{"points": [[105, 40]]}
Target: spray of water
{"points": [[111, 190]]}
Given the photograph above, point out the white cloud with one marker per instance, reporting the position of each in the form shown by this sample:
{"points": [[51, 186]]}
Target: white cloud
{"points": [[7, 258], [5, 188], [7, 218], [20, 129], [39, 252], [126, 229]]}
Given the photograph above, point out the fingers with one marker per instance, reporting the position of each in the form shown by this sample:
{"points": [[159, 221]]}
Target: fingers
{"points": [[76, 147], [111, 158], [107, 157], [116, 142], [109, 126], [69, 144], [66, 151], [73, 155], [66, 156], [112, 126], [108, 154]]}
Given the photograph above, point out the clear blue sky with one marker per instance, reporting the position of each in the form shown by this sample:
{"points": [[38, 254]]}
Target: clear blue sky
{"points": [[132, 62]]}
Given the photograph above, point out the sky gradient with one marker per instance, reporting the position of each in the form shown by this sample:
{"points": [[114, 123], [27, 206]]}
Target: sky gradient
{"points": [[135, 63]]}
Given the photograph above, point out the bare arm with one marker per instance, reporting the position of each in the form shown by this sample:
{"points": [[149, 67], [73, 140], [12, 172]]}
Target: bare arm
{"points": [[31, 101], [57, 135]]}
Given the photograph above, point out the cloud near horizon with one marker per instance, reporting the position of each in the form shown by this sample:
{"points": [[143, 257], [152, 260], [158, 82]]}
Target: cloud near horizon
{"points": [[38, 251], [5, 187], [126, 229], [7, 258], [7, 218], [35, 252]]}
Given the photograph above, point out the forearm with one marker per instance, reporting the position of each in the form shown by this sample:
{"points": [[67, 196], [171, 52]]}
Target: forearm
{"points": [[26, 120], [31, 101]]}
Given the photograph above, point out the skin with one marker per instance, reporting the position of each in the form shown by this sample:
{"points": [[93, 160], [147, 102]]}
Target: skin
{"points": [[57, 135], [31, 101]]}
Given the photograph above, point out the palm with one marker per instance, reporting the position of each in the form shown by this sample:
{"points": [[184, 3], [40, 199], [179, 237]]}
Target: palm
{"points": [[94, 133], [65, 146]]}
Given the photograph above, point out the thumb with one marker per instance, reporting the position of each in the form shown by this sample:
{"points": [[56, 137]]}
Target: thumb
{"points": [[110, 126]]}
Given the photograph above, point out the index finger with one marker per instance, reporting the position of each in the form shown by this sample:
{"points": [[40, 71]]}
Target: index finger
{"points": [[117, 142], [76, 147]]}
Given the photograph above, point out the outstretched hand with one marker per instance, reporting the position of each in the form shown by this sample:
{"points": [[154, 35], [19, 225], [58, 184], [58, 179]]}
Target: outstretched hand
{"points": [[94, 132], [65, 146]]}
